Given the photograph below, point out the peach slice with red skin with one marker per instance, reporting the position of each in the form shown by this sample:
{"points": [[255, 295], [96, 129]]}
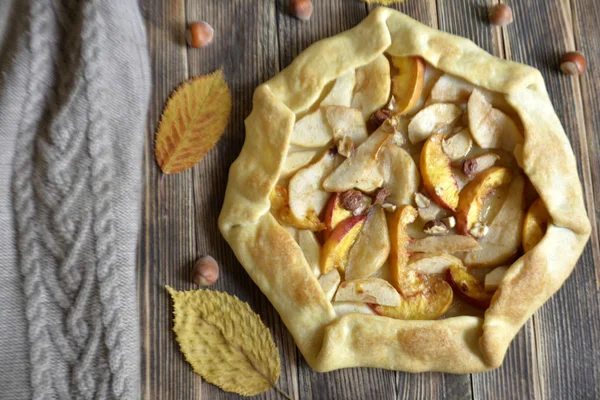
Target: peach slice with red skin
{"points": [[436, 171], [333, 214], [407, 85], [535, 224], [280, 208], [336, 249], [473, 195], [469, 287]]}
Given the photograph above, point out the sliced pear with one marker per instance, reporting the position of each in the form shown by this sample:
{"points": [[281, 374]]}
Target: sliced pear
{"points": [[473, 195], [504, 237], [312, 250], [372, 247], [369, 290], [473, 166], [408, 83], [335, 251], [431, 212], [312, 130], [450, 89], [296, 160], [436, 118], [490, 127], [436, 263], [428, 304], [399, 239], [535, 224], [430, 78], [468, 286], [341, 92], [401, 175], [493, 279], [457, 146], [280, 208], [438, 179], [342, 308], [330, 282], [354, 171], [305, 188], [346, 121], [444, 244], [372, 88]]}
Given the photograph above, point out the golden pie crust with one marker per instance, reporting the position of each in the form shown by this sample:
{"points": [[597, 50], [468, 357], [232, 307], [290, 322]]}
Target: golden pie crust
{"points": [[276, 263]]}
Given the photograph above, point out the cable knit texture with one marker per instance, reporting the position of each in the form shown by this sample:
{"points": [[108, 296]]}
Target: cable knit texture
{"points": [[73, 101]]}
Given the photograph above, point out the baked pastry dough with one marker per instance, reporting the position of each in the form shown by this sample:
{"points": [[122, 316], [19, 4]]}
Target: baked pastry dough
{"points": [[271, 255]]}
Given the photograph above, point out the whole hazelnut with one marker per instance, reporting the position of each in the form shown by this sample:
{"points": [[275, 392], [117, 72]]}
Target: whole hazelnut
{"points": [[206, 271], [301, 9], [501, 14], [351, 199], [199, 34], [378, 118], [573, 63], [381, 195]]}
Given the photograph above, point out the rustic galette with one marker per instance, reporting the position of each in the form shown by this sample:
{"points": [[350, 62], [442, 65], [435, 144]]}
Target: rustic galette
{"points": [[404, 199]]}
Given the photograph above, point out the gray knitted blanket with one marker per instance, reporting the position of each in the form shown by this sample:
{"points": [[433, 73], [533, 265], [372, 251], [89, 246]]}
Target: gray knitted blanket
{"points": [[74, 85]]}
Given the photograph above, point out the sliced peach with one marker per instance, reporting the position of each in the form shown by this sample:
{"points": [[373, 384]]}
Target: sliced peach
{"points": [[372, 88], [436, 171], [341, 92], [397, 223], [305, 188], [535, 224], [469, 287], [369, 290], [330, 282], [333, 214], [408, 83], [444, 244], [473, 195], [429, 304], [280, 208], [336, 249], [504, 237], [436, 118], [372, 247]]}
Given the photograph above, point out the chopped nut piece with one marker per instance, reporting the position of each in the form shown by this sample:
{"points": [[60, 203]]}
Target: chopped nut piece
{"points": [[365, 203], [479, 230], [435, 227], [345, 146], [390, 125], [381, 194], [389, 207], [391, 104], [398, 139], [450, 222], [378, 118], [469, 166], [351, 199], [421, 200]]}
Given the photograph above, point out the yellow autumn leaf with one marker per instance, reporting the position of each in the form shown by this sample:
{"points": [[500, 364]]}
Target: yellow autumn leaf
{"points": [[225, 341], [193, 121]]}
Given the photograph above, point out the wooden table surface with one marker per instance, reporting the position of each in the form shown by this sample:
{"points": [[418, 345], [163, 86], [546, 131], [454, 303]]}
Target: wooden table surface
{"points": [[556, 354]]}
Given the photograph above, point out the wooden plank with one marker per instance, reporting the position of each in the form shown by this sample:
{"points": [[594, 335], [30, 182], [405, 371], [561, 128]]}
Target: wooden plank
{"points": [[567, 327], [167, 245]]}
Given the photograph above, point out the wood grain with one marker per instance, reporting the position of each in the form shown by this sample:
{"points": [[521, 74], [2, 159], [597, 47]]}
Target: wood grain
{"points": [[554, 356]]}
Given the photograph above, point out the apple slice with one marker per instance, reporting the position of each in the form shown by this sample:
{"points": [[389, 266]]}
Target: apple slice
{"points": [[330, 282], [432, 263], [408, 83], [370, 290], [305, 188], [436, 118], [311, 249], [469, 287], [444, 244], [341, 92], [333, 214], [493, 279], [490, 127], [473, 166], [354, 171], [504, 237], [372, 247], [438, 179], [346, 121], [457, 146], [336, 249], [535, 224], [473, 195], [280, 209], [372, 88], [342, 308], [401, 175], [429, 304], [312, 130], [398, 259], [296, 160]]}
